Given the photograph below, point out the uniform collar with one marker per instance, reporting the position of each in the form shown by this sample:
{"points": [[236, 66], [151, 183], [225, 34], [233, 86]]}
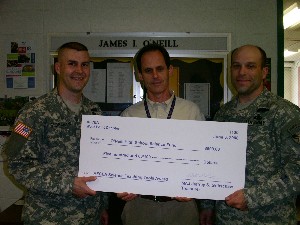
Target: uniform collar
{"points": [[258, 101]]}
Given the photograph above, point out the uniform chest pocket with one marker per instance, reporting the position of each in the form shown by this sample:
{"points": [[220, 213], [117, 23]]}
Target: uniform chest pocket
{"points": [[58, 138], [59, 127], [58, 131]]}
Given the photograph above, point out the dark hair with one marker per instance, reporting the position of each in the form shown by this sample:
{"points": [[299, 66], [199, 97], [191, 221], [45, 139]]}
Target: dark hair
{"points": [[72, 45], [262, 53], [151, 48]]}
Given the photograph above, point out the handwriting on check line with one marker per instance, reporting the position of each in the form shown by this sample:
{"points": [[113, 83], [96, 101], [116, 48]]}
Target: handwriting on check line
{"points": [[186, 185], [148, 157], [150, 144]]}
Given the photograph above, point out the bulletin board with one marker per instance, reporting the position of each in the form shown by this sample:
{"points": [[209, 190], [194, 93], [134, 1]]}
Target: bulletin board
{"points": [[118, 89], [202, 71]]}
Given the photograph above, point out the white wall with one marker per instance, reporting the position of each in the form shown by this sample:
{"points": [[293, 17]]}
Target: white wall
{"points": [[291, 81], [249, 22], [288, 83]]}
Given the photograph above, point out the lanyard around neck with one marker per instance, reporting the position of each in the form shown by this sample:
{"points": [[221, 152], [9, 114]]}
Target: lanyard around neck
{"points": [[170, 112]]}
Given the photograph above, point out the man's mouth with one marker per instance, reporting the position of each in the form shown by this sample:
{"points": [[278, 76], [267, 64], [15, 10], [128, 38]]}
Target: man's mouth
{"points": [[156, 82], [242, 81], [77, 78]]}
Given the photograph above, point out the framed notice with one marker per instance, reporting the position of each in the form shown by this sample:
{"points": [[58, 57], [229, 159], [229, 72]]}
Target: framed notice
{"points": [[199, 93]]}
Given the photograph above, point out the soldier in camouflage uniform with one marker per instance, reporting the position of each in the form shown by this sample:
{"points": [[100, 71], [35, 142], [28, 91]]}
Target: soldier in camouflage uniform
{"points": [[43, 150], [273, 149]]}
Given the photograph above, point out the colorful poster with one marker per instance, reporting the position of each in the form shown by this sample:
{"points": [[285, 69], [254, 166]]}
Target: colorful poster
{"points": [[20, 65]]}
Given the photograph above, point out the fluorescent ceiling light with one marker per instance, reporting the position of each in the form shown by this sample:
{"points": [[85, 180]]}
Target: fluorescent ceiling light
{"points": [[288, 53], [291, 16]]}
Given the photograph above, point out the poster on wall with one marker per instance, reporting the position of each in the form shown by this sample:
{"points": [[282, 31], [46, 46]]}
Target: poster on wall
{"points": [[95, 88], [119, 83], [199, 93], [20, 65]]}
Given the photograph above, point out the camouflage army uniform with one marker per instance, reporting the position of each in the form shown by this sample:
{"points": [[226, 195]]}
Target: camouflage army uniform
{"points": [[46, 162], [273, 162]]}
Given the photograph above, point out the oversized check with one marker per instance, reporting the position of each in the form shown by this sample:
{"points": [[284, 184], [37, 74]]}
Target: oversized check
{"points": [[183, 158]]}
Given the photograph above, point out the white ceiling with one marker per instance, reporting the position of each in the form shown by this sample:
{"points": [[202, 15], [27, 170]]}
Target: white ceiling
{"points": [[292, 35]]}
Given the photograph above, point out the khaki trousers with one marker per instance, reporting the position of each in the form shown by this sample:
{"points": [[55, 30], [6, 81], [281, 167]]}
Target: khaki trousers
{"points": [[147, 212]]}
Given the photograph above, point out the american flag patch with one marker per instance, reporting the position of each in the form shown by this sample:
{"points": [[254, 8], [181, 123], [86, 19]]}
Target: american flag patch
{"points": [[22, 129]]}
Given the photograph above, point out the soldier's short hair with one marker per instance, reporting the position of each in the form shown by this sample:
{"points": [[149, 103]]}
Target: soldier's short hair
{"points": [[262, 53], [71, 45]]}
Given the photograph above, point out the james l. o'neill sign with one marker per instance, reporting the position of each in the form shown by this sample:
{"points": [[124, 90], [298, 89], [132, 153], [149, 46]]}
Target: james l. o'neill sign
{"points": [[134, 41]]}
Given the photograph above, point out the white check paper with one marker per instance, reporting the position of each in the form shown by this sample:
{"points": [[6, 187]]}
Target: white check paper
{"points": [[183, 158]]}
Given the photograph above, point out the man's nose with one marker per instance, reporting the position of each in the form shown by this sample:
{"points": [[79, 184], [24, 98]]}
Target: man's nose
{"points": [[79, 69], [243, 69], [155, 73]]}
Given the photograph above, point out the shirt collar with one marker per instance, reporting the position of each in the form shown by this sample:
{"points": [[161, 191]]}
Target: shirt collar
{"points": [[166, 103]]}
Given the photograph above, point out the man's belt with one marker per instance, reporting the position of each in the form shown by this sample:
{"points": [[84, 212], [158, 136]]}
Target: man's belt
{"points": [[157, 198]]}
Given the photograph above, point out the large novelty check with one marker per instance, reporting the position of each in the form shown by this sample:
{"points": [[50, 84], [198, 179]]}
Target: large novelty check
{"points": [[197, 159]]}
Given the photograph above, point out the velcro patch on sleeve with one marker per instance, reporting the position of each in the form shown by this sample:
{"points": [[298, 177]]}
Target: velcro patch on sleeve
{"points": [[22, 129], [295, 132], [296, 138]]}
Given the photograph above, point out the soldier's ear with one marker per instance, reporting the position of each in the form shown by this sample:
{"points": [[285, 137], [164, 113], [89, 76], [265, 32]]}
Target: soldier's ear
{"points": [[265, 72], [57, 68]]}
